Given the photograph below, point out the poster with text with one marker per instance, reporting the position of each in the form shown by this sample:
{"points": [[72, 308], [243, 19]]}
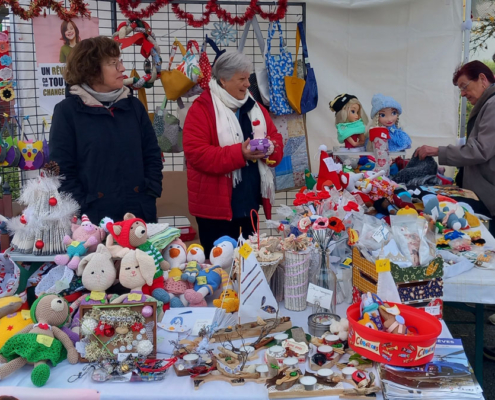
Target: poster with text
{"points": [[54, 40]]}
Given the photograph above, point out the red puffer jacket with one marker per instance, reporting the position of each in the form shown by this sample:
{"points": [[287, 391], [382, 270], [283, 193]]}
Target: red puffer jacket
{"points": [[209, 187]]}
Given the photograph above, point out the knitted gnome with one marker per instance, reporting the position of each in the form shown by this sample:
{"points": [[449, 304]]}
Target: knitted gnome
{"points": [[329, 173], [132, 233], [195, 257]]}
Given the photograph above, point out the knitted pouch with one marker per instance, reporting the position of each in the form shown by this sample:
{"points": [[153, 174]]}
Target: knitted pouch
{"points": [[167, 130]]}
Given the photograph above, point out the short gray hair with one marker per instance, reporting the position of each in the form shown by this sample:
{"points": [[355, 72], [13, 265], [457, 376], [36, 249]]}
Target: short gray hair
{"points": [[229, 64]]}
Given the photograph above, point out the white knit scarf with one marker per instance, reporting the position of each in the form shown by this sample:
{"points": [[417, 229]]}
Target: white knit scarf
{"points": [[229, 132]]}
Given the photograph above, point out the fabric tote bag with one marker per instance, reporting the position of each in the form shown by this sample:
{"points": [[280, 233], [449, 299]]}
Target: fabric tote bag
{"points": [[309, 99], [174, 82], [259, 79], [279, 66]]}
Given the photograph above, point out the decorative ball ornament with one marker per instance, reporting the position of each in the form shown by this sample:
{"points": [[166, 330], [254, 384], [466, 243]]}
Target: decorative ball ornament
{"points": [[147, 311], [39, 244], [23, 219], [110, 331], [144, 348], [53, 201]]}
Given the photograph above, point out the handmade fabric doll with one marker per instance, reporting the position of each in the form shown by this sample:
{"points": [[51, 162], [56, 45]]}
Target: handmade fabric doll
{"points": [[132, 234], [350, 120], [175, 255], [98, 274], [223, 252], [39, 343], [385, 112], [85, 238]]}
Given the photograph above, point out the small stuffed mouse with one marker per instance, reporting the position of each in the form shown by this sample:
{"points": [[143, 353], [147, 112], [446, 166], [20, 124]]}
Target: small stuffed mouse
{"points": [[98, 274], [40, 342]]}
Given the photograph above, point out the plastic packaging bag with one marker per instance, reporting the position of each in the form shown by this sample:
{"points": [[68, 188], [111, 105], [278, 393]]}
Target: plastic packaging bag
{"points": [[410, 232]]}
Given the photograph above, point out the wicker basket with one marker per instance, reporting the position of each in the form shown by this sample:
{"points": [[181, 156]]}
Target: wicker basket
{"points": [[296, 279], [270, 266]]}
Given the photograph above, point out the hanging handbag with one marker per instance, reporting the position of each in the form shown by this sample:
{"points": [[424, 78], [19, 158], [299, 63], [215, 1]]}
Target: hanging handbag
{"points": [[215, 48], [309, 99], [189, 65], [279, 66], [294, 86], [174, 82], [167, 129], [259, 79], [31, 150], [204, 65]]}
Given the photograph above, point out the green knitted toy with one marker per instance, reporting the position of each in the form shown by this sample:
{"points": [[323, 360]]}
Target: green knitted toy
{"points": [[40, 342]]}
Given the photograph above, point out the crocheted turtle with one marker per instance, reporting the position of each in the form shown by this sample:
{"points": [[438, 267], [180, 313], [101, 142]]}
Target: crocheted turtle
{"points": [[40, 342]]}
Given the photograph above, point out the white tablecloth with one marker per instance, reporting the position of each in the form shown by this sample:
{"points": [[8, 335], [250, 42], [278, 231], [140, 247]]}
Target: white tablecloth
{"points": [[474, 286], [172, 387]]}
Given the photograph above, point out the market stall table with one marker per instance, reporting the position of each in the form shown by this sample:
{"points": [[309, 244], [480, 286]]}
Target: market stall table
{"points": [[474, 286], [172, 387]]}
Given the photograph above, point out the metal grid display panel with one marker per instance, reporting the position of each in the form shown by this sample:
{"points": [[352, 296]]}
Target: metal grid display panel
{"points": [[166, 28]]}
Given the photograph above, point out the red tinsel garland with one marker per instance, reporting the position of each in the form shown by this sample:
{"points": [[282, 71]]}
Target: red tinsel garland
{"points": [[210, 8], [77, 7]]}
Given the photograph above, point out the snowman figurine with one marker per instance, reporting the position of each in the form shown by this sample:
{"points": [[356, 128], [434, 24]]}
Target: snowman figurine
{"points": [[212, 277], [195, 257]]}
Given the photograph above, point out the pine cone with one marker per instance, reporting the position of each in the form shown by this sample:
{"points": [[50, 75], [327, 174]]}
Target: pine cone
{"points": [[52, 168]]}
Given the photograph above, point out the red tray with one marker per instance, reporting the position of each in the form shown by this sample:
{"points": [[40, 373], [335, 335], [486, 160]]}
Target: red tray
{"points": [[393, 349]]}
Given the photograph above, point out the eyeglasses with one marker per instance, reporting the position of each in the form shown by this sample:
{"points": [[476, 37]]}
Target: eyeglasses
{"points": [[116, 64], [464, 87]]}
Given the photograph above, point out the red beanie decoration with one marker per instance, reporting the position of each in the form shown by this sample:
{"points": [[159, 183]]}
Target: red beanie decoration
{"points": [[120, 231], [326, 176]]}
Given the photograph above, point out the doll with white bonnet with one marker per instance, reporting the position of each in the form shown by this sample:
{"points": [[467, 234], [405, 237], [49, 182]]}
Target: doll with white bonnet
{"points": [[385, 112], [350, 120]]}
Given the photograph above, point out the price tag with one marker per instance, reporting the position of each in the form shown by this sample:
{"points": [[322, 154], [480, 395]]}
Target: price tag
{"points": [[433, 310], [201, 280], [382, 265], [134, 297], [317, 294], [25, 314], [44, 340], [245, 250], [200, 323]]}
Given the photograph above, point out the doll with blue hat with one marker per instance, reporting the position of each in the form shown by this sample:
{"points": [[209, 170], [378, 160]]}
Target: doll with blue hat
{"points": [[385, 112]]}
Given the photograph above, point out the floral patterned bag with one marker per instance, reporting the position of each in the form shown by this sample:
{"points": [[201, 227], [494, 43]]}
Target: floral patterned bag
{"points": [[279, 66]]}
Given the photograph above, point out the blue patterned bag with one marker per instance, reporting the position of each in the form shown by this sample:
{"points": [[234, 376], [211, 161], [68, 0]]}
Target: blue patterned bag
{"points": [[278, 66]]}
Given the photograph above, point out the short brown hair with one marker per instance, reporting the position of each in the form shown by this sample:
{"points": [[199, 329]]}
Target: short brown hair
{"points": [[472, 70], [85, 59]]}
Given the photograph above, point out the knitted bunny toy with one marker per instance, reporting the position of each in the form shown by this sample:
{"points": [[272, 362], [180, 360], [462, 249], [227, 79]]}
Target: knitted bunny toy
{"points": [[98, 274], [40, 342], [136, 270], [132, 234], [85, 238]]}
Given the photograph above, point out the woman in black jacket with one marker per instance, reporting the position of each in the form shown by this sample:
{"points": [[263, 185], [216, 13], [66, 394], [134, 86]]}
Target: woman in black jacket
{"points": [[102, 138]]}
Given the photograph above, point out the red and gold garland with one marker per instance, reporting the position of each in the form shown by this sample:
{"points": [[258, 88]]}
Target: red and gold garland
{"points": [[77, 7], [127, 8]]}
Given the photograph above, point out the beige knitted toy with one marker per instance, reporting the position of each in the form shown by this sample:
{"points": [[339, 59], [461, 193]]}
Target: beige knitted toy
{"points": [[40, 342]]}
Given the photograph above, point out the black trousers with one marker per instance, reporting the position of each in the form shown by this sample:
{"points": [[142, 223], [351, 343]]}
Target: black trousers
{"points": [[213, 229]]}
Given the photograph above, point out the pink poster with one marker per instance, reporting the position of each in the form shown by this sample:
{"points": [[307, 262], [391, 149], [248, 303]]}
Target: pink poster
{"points": [[55, 38]]}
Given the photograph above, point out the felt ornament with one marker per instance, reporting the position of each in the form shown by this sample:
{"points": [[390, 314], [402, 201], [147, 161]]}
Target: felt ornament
{"points": [[379, 138], [131, 233], [39, 343], [309, 179], [85, 238], [98, 274], [329, 172]]}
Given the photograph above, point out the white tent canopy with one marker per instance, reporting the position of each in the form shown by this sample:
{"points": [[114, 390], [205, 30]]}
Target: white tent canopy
{"points": [[407, 49]]}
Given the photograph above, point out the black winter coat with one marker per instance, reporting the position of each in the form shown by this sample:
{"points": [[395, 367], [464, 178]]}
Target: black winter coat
{"points": [[109, 157]]}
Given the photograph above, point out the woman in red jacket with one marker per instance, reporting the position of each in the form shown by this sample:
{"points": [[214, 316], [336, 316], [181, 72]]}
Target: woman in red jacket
{"points": [[225, 179]]}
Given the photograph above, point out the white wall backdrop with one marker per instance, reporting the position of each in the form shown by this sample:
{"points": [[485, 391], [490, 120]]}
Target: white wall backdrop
{"points": [[407, 49]]}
